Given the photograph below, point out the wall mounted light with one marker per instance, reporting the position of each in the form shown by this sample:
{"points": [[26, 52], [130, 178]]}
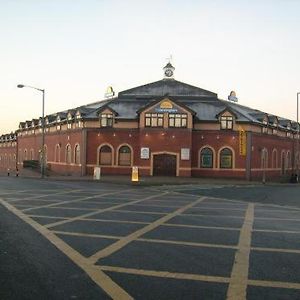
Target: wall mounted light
{"points": [[218, 137]]}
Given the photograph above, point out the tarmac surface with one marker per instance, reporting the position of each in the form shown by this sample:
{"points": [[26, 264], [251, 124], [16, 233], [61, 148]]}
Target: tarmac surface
{"points": [[72, 239]]}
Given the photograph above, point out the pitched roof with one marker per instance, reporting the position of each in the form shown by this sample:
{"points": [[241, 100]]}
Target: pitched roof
{"points": [[172, 88]]}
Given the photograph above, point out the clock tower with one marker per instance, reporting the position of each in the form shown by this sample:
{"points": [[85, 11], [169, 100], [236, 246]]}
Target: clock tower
{"points": [[169, 71]]}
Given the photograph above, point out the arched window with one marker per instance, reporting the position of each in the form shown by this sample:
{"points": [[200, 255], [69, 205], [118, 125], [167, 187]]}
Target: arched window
{"points": [[45, 154], [264, 158], [274, 159], [124, 156], [77, 154], [226, 158], [105, 156], [25, 154], [288, 160], [57, 153], [68, 154], [206, 158], [283, 162], [31, 154]]}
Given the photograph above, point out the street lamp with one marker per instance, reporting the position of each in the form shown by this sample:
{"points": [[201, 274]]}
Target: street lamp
{"points": [[298, 130], [20, 86]]}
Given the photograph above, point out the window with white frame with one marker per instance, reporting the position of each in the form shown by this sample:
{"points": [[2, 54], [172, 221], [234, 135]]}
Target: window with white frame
{"points": [[106, 120], [226, 122]]}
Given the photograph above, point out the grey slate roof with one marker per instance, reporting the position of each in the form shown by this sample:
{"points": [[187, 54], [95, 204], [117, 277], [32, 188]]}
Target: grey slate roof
{"points": [[203, 103]]}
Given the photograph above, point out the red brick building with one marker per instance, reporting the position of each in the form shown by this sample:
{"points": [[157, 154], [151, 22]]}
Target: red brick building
{"points": [[165, 128]]}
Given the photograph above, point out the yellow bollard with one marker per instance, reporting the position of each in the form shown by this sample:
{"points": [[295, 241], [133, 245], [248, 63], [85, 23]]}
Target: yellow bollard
{"points": [[135, 174]]}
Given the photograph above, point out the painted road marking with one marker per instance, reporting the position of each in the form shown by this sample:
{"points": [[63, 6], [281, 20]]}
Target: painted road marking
{"points": [[164, 274], [101, 210], [98, 276], [239, 276], [133, 236], [45, 195]]}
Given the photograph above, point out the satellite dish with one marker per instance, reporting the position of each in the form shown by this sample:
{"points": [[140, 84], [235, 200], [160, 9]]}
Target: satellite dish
{"points": [[232, 97]]}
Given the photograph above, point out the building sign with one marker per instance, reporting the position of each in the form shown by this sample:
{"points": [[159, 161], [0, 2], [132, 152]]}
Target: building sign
{"points": [[242, 142], [166, 106], [145, 153], [185, 153]]}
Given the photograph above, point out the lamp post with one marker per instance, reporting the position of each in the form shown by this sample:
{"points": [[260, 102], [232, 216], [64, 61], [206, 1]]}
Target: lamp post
{"points": [[298, 130], [43, 126]]}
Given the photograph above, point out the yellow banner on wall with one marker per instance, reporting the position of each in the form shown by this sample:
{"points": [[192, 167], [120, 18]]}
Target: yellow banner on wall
{"points": [[242, 142]]}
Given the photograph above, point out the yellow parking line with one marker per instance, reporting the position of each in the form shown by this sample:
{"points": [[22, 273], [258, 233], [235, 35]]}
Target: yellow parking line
{"points": [[282, 250], [202, 215], [98, 276], [133, 236], [275, 284], [79, 234], [46, 195], [73, 201], [202, 227], [239, 275], [277, 231], [163, 274], [100, 210], [206, 245], [278, 219], [139, 212]]}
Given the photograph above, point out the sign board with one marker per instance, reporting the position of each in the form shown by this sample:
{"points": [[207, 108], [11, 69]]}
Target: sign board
{"points": [[242, 142], [185, 154], [135, 174], [145, 153], [97, 173], [166, 106]]}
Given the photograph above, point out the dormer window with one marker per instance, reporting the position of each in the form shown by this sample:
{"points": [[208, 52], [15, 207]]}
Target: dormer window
{"points": [[154, 120], [288, 127], [226, 122], [178, 120], [106, 120], [69, 121], [265, 126]]}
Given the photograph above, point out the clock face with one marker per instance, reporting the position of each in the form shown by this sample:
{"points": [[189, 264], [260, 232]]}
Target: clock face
{"points": [[168, 72]]}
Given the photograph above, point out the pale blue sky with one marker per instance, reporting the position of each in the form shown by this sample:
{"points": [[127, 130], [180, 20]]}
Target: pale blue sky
{"points": [[75, 49]]}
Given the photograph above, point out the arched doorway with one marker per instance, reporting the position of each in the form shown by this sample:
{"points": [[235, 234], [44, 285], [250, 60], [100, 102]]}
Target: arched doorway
{"points": [[164, 164]]}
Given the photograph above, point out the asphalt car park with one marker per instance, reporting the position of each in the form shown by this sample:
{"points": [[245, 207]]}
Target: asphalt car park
{"points": [[164, 243]]}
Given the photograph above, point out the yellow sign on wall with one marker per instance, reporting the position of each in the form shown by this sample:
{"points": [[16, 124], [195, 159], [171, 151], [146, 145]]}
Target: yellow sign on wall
{"points": [[242, 142], [166, 105]]}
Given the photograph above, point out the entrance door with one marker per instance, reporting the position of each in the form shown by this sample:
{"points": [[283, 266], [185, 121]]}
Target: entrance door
{"points": [[164, 165]]}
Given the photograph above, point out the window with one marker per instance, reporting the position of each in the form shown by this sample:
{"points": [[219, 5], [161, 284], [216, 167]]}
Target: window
{"points": [[31, 154], [226, 159], [288, 160], [206, 158], [274, 159], [226, 122], [105, 156], [57, 153], [124, 156], [68, 154], [77, 154], [25, 154], [178, 120], [154, 120], [106, 120], [264, 158]]}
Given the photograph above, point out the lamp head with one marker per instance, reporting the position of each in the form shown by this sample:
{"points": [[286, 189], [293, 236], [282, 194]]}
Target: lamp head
{"points": [[20, 86]]}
